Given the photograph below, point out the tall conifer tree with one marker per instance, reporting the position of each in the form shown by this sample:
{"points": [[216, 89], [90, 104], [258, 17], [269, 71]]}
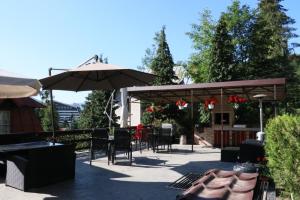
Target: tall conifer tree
{"points": [[271, 33], [222, 66], [162, 63]]}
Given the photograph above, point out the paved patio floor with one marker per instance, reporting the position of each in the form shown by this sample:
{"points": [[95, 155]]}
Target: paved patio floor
{"points": [[147, 178]]}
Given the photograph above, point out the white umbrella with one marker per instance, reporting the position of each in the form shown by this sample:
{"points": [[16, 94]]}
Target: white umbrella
{"points": [[15, 86]]}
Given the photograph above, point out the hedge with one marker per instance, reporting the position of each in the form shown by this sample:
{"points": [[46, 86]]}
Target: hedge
{"points": [[283, 152]]}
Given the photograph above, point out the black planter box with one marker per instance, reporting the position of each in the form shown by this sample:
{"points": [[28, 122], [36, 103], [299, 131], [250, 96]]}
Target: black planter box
{"points": [[230, 154]]}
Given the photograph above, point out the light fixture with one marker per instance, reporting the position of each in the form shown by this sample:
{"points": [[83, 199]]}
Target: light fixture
{"points": [[260, 134]]}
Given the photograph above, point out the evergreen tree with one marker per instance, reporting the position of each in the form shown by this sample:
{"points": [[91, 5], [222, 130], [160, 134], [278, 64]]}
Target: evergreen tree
{"points": [[269, 55], [222, 66], [202, 37], [162, 63], [271, 33], [147, 59], [93, 114]]}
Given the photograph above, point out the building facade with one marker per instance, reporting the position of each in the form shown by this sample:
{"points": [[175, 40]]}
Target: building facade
{"points": [[66, 113], [18, 115]]}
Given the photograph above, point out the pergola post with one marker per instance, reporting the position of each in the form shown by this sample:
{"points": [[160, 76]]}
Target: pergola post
{"points": [[222, 123], [192, 118], [275, 100]]}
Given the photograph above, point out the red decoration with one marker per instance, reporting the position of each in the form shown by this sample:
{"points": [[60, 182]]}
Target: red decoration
{"points": [[150, 109], [236, 99], [180, 102], [138, 132], [153, 108], [211, 100]]}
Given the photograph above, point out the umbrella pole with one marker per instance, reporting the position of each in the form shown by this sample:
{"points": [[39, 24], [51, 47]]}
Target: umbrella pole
{"points": [[52, 111], [111, 109], [52, 106], [52, 116]]}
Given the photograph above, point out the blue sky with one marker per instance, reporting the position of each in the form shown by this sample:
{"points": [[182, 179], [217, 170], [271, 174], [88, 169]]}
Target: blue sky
{"points": [[36, 35]]}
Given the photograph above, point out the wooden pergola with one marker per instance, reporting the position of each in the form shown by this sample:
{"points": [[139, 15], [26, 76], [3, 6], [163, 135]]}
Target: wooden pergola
{"points": [[274, 89]]}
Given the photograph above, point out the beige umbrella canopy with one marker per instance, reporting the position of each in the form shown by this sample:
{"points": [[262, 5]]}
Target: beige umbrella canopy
{"points": [[96, 76], [15, 86]]}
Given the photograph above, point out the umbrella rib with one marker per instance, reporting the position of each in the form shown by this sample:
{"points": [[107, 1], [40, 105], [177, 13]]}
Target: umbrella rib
{"points": [[97, 80], [106, 78], [146, 83], [111, 82], [54, 83], [82, 82]]}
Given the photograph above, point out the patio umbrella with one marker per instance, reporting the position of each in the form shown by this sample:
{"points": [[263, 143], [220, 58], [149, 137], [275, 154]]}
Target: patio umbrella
{"points": [[15, 86], [96, 76]]}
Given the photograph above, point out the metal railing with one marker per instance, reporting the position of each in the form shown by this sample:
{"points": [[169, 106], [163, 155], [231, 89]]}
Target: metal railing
{"points": [[80, 137]]}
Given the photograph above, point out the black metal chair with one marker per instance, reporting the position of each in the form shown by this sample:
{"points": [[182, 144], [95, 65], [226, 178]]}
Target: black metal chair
{"points": [[165, 138], [121, 142], [99, 142]]}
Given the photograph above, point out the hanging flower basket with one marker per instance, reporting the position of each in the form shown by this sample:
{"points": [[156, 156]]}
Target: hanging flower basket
{"points": [[210, 103], [236, 100], [181, 104], [152, 109]]}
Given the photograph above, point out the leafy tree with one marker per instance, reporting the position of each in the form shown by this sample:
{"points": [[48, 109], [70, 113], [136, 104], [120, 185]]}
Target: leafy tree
{"points": [[222, 65], [239, 20], [202, 36], [162, 63], [45, 113], [93, 114]]}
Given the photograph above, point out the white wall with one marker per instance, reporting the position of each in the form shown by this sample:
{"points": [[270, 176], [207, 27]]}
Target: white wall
{"points": [[135, 112]]}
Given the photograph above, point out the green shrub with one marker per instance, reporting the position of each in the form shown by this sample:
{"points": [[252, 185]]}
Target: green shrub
{"points": [[283, 152]]}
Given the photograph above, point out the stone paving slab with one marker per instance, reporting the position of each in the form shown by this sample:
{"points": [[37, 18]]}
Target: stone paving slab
{"points": [[146, 179]]}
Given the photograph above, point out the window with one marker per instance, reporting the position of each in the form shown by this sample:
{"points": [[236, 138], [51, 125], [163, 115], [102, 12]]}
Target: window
{"points": [[4, 122], [225, 118]]}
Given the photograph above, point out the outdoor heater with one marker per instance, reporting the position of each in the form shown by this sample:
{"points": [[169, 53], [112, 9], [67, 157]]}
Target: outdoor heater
{"points": [[260, 134]]}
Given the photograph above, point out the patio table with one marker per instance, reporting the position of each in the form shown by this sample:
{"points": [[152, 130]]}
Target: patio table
{"points": [[11, 148], [36, 164]]}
